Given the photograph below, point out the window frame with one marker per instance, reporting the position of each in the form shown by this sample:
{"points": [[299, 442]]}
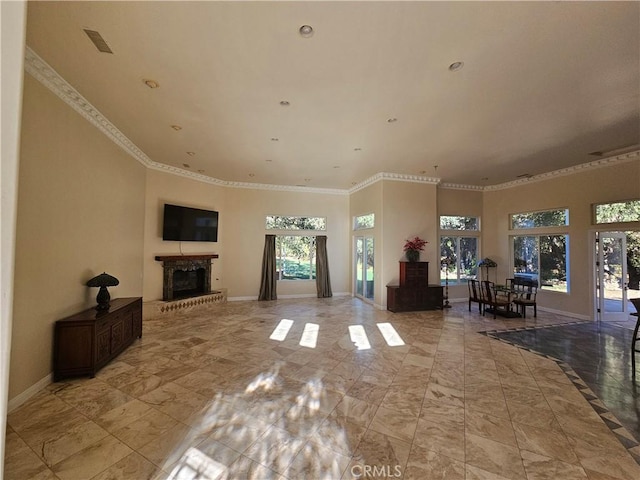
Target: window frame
{"points": [[458, 234], [537, 227], [357, 228], [594, 212]]}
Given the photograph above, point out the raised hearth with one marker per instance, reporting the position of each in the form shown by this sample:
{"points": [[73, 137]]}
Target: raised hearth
{"points": [[185, 276]]}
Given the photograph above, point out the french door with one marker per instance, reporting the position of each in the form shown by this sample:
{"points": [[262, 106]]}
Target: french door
{"points": [[612, 278], [364, 265]]}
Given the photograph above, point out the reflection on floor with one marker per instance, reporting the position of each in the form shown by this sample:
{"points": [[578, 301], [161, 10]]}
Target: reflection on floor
{"points": [[319, 388], [600, 353]]}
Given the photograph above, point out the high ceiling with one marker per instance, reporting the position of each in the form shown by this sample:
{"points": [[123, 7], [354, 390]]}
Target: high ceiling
{"points": [[543, 85]]}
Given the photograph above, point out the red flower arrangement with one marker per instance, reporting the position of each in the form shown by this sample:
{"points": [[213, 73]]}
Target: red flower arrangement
{"points": [[416, 244]]}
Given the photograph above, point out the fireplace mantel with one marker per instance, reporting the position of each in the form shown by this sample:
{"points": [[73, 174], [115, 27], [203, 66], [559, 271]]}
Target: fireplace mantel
{"points": [[186, 275], [196, 256]]}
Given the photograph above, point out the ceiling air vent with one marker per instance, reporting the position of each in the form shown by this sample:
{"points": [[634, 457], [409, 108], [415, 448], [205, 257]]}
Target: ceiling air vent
{"points": [[98, 41]]}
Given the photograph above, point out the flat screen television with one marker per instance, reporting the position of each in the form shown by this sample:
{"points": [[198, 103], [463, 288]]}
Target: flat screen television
{"points": [[187, 224]]}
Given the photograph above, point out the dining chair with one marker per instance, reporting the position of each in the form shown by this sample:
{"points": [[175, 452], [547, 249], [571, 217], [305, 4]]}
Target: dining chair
{"points": [[475, 294], [492, 300], [526, 293]]}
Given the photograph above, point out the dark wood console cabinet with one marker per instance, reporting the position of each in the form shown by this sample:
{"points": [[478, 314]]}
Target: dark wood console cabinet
{"points": [[87, 341], [414, 292]]}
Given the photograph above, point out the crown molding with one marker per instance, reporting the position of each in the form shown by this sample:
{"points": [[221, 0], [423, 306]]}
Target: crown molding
{"points": [[600, 163], [398, 177], [45, 74], [460, 186]]}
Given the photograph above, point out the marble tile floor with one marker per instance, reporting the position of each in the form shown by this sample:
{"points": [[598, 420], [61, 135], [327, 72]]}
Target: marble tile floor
{"points": [[600, 355], [312, 389]]}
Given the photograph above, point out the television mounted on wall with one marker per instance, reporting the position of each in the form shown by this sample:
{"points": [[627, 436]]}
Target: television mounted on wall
{"points": [[185, 224]]}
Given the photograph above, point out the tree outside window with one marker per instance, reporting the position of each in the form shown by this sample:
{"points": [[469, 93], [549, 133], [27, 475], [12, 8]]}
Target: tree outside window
{"points": [[542, 258], [458, 251]]}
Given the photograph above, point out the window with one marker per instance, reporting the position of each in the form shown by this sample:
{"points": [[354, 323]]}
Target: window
{"points": [[277, 222], [628, 211], [458, 252], [543, 258], [459, 256], [546, 218], [449, 222], [364, 221], [295, 257]]}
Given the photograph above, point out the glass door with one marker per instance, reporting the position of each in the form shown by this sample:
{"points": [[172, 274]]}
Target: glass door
{"points": [[612, 278], [364, 267]]}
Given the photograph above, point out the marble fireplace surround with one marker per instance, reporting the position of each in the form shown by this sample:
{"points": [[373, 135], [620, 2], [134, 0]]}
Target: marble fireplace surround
{"points": [[195, 268]]}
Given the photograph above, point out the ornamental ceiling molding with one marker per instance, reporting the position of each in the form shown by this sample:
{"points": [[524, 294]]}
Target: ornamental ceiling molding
{"points": [[398, 177], [600, 163], [45, 74]]}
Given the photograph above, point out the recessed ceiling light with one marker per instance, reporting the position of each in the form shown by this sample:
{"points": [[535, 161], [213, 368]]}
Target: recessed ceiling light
{"points": [[307, 179], [191, 154], [268, 160], [392, 120], [336, 166], [484, 178], [284, 103], [306, 31], [274, 139], [177, 128], [186, 165], [200, 171], [455, 66], [252, 174], [357, 149], [150, 83]]}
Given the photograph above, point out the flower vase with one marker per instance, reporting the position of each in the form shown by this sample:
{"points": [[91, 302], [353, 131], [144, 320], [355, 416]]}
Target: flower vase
{"points": [[413, 255]]}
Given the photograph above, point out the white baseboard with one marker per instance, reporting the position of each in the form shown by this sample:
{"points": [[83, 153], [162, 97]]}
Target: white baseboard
{"points": [[18, 400], [565, 314]]}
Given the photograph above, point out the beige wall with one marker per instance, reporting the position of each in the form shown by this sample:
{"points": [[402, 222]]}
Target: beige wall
{"points": [[409, 210], [164, 188], [245, 230], [241, 233], [80, 212], [576, 192], [402, 210]]}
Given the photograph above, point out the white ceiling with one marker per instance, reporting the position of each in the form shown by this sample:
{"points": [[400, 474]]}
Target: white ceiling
{"points": [[543, 85]]}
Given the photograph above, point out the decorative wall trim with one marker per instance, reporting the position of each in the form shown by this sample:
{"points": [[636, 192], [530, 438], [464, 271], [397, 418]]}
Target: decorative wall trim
{"points": [[460, 186], [45, 74], [398, 177], [601, 163]]}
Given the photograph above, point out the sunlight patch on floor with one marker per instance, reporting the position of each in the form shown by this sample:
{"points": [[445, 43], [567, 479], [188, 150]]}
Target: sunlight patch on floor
{"points": [[310, 335], [390, 334], [282, 330], [359, 337]]}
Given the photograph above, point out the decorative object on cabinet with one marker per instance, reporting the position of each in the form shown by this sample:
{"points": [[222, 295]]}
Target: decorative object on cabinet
{"points": [[414, 292], [412, 248], [85, 342], [103, 281]]}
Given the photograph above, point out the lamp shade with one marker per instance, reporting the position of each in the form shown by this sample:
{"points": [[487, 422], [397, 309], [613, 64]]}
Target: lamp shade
{"points": [[103, 280]]}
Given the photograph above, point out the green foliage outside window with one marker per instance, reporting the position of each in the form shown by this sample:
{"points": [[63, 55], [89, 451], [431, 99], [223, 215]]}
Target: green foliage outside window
{"points": [[621, 212], [547, 218], [277, 222]]}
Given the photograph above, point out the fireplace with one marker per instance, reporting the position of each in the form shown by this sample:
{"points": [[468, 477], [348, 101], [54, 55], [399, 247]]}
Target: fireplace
{"points": [[185, 276]]}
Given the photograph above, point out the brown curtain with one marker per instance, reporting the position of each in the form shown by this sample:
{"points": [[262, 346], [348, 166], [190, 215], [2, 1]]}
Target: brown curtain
{"points": [[268, 280], [323, 282]]}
